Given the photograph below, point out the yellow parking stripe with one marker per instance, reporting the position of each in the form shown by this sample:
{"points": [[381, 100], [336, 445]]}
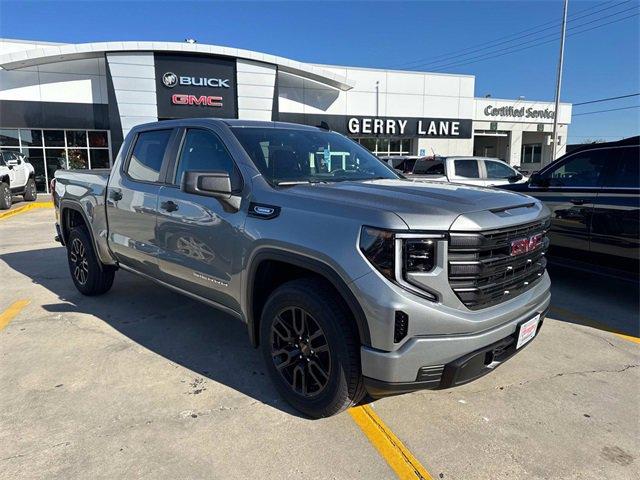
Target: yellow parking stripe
{"points": [[590, 322], [629, 337], [24, 208], [399, 458], [14, 309]]}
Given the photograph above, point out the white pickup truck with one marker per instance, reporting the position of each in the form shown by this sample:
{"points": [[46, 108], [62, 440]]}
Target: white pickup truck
{"points": [[16, 178], [478, 171]]}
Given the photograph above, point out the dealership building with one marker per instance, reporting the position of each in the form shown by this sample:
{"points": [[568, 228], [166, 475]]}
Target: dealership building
{"points": [[70, 105]]}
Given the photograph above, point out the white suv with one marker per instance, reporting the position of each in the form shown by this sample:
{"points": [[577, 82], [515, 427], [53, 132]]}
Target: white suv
{"points": [[16, 178]]}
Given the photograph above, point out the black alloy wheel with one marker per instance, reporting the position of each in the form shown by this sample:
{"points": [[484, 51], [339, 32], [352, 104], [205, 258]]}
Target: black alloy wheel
{"points": [[300, 351], [311, 348], [5, 196], [89, 275], [78, 261]]}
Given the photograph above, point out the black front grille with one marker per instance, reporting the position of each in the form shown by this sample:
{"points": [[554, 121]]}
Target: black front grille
{"points": [[482, 271]]}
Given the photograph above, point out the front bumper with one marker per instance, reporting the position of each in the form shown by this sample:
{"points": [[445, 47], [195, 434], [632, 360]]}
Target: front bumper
{"points": [[446, 359], [462, 370]]}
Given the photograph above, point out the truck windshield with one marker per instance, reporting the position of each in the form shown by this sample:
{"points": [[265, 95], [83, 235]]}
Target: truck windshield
{"points": [[289, 155]]}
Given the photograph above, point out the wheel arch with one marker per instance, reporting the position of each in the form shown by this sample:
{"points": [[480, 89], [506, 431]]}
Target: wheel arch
{"points": [[71, 215], [300, 265]]}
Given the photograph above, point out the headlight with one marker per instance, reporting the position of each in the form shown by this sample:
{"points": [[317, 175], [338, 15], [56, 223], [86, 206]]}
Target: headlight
{"points": [[419, 254], [413, 253], [378, 246]]}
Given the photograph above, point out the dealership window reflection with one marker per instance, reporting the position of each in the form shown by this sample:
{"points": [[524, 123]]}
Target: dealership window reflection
{"points": [[49, 150]]}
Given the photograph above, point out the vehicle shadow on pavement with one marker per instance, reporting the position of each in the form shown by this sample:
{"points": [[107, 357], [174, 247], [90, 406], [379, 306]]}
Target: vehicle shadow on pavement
{"points": [[599, 301], [184, 331]]}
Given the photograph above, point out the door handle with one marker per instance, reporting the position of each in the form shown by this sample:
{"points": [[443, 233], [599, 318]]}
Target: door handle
{"points": [[169, 206], [115, 195], [577, 201]]}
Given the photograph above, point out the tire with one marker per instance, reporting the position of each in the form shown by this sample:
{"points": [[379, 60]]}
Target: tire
{"points": [[321, 395], [30, 193], [89, 276], [5, 196]]}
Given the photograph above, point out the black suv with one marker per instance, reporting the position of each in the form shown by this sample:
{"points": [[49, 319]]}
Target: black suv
{"points": [[593, 193]]}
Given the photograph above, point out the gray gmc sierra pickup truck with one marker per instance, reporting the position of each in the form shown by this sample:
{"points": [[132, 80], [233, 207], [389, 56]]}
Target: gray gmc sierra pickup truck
{"points": [[349, 278]]}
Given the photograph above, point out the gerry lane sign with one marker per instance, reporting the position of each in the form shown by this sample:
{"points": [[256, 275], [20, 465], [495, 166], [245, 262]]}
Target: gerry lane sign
{"points": [[360, 126], [412, 127]]}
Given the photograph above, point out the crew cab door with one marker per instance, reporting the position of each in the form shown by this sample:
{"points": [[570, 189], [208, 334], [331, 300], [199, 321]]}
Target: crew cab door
{"points": [[467, 171], [615, 224], [200, 237], [569, 188], [132, 200]]}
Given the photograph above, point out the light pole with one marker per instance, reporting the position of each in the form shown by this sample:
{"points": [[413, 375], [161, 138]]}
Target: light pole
{"points": [[559, 81]]}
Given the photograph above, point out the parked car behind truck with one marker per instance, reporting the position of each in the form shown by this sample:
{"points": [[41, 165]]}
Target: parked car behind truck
{"points": [[349, 280], [478, 171], [593, 193], [16, 178]]}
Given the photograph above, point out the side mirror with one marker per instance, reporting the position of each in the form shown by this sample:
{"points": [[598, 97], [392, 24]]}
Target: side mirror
{"points": [[209, 184], [515, 178], [536, 180]]}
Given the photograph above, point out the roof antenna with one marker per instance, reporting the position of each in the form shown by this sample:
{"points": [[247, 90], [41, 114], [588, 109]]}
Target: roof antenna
{"points": [[324, 125]]}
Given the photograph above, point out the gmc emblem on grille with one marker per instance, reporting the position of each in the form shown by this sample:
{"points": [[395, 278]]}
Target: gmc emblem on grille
{"points": [[525, 245]]}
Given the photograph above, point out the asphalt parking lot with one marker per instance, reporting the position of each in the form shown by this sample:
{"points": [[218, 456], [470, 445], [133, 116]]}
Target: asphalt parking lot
{"points": [[144, 383]]}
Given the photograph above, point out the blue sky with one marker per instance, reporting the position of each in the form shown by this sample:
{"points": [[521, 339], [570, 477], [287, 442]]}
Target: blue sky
{"points": [[600, 63]]}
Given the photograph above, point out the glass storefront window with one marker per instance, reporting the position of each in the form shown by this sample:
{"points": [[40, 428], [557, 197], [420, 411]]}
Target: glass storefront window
{"points": [[386, 146], [78, 158], [99, 158], [31, 137], [51, 150], [98, 139], [54, 138], [76, 138], [9, 137], [368, 143], [531, 153]]}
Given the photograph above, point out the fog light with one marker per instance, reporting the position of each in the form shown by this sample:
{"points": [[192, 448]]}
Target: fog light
{"points": [[401, 326]]}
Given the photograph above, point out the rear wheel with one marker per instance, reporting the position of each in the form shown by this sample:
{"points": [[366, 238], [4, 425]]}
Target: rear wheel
{"points": [[311, 348], [5, 196], [30, 193], [88, 274]]}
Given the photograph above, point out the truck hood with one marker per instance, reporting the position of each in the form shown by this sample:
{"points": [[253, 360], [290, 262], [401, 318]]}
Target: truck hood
{"points": [[427, 205]]}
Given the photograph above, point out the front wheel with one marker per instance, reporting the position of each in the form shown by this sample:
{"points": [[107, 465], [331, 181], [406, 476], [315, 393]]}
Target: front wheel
{"points": [[311, 348], [5, 196], [30, 192], [88, 274]]}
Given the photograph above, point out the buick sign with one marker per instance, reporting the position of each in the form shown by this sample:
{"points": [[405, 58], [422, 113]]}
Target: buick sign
{"points": [[170, 79], [193, 85]]}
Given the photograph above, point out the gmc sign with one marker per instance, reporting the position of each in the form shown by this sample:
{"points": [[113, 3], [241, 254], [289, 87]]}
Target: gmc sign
{"points": [[191, 85], [202, 100]]}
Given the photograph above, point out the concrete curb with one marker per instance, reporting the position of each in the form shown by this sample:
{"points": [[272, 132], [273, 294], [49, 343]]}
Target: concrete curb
{"points": [[24, 208]]}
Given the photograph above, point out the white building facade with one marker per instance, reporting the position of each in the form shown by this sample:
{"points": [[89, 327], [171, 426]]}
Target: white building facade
{"points": [[70, 105]]}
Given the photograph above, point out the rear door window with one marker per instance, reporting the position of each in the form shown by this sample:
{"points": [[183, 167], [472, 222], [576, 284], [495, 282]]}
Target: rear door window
{"points": [[467, 168], [146, 159], [581, 170], [627, 172]]}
